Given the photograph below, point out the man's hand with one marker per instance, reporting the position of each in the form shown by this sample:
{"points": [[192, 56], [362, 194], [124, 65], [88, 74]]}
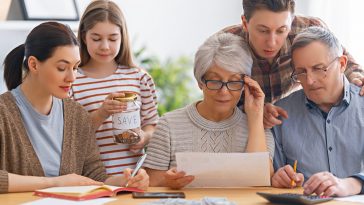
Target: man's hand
{"points": [[358, 79], [271, 114], [283, 177], [177, 180], [327, 184]]}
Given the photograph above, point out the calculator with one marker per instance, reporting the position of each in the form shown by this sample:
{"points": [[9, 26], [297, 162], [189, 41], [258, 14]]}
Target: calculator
{"points": [[290, 198]]}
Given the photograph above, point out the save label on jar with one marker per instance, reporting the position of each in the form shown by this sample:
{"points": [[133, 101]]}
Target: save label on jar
{"points": [[126, 124]]}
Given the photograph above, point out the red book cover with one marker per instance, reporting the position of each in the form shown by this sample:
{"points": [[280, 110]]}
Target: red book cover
{"points": [[79, 193]]}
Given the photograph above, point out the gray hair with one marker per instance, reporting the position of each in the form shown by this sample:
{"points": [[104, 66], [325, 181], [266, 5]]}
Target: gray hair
{"points": [[225, 50], [318, 34]]}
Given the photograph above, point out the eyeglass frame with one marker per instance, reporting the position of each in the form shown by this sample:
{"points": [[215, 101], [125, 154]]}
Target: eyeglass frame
{"points": [[225, 83], [325, 69]]}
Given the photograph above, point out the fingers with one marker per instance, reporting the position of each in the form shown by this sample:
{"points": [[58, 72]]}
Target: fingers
{"points": [[319, 183], [362, 91], [300, 180], [127, 173], [111, 96], [271, 114], [141, 180], [284, 176], [173, 174], [182, 182], [253, 87], [281, 112], [88, 181], [111, 106], [177, 180]]}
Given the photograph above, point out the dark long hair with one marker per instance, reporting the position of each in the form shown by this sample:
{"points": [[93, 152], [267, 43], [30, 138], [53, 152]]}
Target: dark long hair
{"points": [[40, 43]]}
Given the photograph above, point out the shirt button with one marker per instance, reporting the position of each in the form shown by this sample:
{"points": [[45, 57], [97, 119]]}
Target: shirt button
{"points": [[328, 121], [330, 148]]}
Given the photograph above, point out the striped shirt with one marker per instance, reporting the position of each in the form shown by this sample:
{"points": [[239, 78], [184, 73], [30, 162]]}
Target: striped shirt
{"points": [[91, 93], [275, 79]]}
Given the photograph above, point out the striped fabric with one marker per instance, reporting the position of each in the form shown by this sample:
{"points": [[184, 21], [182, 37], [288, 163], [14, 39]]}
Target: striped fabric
{"points": [[91, 92]]}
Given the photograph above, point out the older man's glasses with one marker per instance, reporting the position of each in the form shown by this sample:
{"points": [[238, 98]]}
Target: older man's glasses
{"points": [[318, 72], [218, 84]]}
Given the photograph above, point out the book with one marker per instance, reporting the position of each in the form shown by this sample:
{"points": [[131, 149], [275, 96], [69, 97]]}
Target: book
{"points": [[79, 193]]}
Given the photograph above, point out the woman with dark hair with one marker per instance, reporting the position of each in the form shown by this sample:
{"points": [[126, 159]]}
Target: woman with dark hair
{"points": [[47, 139]]}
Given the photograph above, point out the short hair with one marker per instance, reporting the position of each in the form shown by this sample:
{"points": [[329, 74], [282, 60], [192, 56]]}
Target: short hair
{"points": [[250, 6], [318, 34], [225, 50], [102, 11]]}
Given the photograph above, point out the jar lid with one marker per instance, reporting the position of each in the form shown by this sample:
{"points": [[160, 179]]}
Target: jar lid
{"points": [[128, 97]]}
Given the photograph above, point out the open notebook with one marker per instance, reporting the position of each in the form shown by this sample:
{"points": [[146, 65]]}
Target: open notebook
{"points": [[83, 192]]}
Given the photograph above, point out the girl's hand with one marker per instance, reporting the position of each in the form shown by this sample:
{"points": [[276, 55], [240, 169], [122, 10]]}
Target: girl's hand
{"points": [[111, 106], [254, 97], [140, 181]]}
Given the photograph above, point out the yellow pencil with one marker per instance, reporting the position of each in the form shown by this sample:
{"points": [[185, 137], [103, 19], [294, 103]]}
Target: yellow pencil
{"points": [[294, 169]]}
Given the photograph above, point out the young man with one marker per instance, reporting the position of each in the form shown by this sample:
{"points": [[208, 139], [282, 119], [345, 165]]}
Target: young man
{"points": [[270, 27], [324, 132]]}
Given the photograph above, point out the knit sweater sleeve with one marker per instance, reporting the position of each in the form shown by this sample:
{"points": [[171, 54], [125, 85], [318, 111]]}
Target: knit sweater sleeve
{"points": [[270, 143], [79, 128], [4, 181], [93, 166], [159, 148]]}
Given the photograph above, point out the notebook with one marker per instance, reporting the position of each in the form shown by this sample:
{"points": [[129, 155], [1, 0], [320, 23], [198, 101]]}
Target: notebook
{"points": [[79, 193]]}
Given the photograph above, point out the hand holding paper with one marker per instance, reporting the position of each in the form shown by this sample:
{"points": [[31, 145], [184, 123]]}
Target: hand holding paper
{"points": [[225, 169]]}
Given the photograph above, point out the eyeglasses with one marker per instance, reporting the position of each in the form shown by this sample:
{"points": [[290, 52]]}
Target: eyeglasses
{"points": [[317, 73], [218, 84]]}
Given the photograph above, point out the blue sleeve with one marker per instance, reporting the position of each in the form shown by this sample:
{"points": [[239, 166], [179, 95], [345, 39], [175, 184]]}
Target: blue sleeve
{"points": [[279, 157], [360, 177]]}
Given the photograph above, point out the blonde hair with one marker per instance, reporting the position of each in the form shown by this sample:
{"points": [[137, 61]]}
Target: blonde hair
{"points": [[101, 11]]}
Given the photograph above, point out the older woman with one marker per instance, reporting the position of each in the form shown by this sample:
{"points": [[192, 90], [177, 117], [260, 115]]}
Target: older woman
{"points": [[214, 124]]}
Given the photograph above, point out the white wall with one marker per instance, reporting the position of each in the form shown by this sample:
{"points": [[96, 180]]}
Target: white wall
{"points": [[344, 17], [170, 28]]}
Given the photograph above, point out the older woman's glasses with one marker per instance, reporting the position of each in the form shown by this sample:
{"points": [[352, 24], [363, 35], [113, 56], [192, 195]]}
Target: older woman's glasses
{"points": [[218, 84], [318, 72]]}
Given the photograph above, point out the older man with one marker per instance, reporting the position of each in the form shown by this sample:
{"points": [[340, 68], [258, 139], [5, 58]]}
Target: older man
{"points": [[324, 131], [269, 28]]}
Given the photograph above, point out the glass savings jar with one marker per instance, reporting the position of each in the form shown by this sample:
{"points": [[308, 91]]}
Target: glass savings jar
{"points": [[126, 124]]}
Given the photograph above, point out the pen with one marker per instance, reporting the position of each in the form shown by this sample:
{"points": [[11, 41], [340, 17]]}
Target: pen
{"points": [[294, 169], [138, 166]]}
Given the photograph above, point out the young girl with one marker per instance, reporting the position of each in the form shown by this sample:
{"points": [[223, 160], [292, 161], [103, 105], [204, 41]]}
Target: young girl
{"points": [[107, 71], [46, 139]]}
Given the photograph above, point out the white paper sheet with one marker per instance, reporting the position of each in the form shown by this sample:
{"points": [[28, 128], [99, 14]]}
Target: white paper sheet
{"points": [[355, 198], [225, 169], [54, 201]]}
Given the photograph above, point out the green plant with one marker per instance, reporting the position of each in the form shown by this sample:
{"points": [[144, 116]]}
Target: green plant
{"points": [[173, 79]]}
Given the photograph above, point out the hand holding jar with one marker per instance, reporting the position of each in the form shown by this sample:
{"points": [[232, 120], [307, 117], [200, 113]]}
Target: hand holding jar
{"points": [[126, 124]]}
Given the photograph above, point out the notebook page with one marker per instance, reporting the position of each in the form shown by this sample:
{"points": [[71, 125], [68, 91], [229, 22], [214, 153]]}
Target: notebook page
{"points": [[71, 189], [225, 169]]}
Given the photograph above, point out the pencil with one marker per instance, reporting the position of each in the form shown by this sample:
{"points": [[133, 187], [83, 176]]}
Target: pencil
{"points": [[294, 169]]}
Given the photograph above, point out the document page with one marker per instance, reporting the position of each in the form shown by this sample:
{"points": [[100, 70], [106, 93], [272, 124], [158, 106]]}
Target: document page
{"points": [[355, 198], [225, 169]]}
